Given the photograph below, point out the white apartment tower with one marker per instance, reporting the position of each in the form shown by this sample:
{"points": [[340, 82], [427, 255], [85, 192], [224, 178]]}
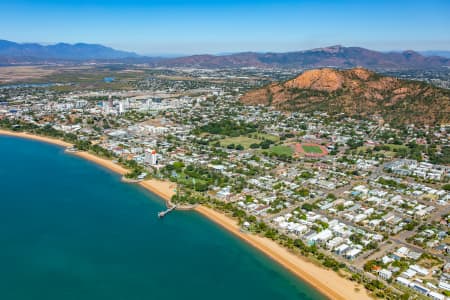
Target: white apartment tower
{"points": [[151, 157]]}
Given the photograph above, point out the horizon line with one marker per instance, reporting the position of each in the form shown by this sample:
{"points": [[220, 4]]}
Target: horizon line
{"points": [[221, 53]]}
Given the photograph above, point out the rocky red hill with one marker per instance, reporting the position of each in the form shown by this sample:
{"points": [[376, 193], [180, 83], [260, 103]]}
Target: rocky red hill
{"points": [[357, 92]]}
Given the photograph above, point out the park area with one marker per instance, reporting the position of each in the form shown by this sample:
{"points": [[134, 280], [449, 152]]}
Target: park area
{"points": [[246, 141], [281, 150], [239, 140]]}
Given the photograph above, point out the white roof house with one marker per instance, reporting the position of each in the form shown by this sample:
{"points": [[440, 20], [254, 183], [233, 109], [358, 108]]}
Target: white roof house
{"points": [[385, 274], [403, 281], [351, 254], [333, 243], [341, 249], [422, 271], [409, 273], [386, 259], [324, 236], [444, 285], [436, 296], [402, 251]]}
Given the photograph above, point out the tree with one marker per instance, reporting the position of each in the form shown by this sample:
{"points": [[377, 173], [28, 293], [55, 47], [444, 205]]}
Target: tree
{"points": [[331, 196], [353, 143], [306, 175], [265, 144], [372, 245], [308, 206], [356, 238], [405, 296], [178, 166], [239, 147], [303, 192]]}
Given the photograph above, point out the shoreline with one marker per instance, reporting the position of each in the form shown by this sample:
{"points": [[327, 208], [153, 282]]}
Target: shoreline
{"points": [[35, 137], [326, 282]]}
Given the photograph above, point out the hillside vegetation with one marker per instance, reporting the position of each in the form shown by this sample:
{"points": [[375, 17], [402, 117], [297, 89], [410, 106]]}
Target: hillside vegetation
{"points": [[357, 92]]}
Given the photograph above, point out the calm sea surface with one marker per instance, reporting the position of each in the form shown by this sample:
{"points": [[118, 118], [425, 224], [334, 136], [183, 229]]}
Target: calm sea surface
{"points": [[69, 229]]}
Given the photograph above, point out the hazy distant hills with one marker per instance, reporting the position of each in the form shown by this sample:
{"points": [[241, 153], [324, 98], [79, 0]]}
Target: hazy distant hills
{"points": [[334, 56], [357, 92], [34, 52], [436, 53]]}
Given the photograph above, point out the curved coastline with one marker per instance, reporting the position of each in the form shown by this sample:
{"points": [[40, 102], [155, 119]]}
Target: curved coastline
{"points": [[327, 282]]}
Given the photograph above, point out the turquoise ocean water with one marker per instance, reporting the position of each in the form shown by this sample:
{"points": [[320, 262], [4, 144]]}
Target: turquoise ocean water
{"points": [[69, 229]]}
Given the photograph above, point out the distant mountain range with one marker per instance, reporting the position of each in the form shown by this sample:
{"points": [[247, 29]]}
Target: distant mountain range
{"points": [[62, 51], [436, 53], [357, 92], [334, 56]]}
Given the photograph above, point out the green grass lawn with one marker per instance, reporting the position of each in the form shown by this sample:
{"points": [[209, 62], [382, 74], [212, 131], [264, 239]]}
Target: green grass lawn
{"points": [[242, 140], [390, 153], [395, 147], [363, 148], [189, 180], [265, 136], [247, 140], [391, 146], [312, 149], [282, 150]]}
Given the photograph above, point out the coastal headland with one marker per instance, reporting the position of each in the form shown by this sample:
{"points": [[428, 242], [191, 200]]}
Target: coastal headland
{"points": [[328, 282]]}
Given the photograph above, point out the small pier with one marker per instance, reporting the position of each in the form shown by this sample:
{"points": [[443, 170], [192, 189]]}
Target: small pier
{"points": [[162, 214]]}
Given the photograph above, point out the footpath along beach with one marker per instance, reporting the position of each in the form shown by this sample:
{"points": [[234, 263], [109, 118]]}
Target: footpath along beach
{"points": [[328, 282]]}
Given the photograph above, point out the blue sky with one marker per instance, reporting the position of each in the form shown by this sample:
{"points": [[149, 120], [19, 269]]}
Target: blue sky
{"points": [[186, 27]]}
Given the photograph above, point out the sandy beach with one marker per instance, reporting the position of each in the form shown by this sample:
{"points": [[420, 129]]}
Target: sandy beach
{"points": [[326, 281], [35, 137], [164, 189], [109, 164]]}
